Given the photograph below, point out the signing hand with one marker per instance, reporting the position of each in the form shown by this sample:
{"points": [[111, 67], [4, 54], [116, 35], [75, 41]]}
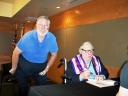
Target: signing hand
{"points": [[99, 77]]}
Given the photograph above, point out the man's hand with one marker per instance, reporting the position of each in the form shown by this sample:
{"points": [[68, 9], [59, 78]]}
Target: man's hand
{"points": [[12, 71], [85, 74], [99, 77], [44, 71]]}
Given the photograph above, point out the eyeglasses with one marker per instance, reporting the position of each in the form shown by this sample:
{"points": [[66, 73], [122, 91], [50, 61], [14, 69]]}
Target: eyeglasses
{"points": [[86, 51]]}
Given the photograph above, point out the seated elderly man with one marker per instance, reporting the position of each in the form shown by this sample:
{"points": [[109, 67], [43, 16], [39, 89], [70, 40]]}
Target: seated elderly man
{"points": [[85, 66], [123, 89]]}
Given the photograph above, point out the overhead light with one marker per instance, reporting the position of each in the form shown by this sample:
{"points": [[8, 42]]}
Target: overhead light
{"points": [[57, 7], [77, 11]]}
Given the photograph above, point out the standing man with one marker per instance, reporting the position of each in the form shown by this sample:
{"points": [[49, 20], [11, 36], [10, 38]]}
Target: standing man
{"points": [[30, 56]]}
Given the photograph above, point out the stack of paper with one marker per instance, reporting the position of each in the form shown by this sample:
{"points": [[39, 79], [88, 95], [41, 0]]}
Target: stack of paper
{"points": [[102, 83]]}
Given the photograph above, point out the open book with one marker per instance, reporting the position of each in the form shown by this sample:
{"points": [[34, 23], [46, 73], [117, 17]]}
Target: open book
{"points": [[102, 83]]}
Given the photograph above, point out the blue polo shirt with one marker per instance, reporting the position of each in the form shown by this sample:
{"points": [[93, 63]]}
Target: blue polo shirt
{"points": [[35, 51]]}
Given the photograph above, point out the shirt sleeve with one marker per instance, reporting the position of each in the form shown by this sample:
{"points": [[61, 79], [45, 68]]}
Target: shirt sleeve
{"points": [[21, 43], [54, 45]]}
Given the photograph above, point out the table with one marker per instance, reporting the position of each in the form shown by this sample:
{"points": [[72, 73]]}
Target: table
{"points": [[78, 89]]}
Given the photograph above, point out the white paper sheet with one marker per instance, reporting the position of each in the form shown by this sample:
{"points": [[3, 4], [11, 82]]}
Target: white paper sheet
{"points": [[102, 83]]}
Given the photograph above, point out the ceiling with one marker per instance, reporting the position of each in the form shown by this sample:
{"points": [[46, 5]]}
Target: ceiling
{"points": [[8, 1], [36, 8]]}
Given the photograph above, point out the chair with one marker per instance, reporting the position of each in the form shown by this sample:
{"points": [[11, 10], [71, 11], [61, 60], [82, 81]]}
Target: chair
{"points": [[63, 61]]}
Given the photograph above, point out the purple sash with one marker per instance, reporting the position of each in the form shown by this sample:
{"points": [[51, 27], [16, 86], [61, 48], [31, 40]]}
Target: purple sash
{"points": [[79, 65]]}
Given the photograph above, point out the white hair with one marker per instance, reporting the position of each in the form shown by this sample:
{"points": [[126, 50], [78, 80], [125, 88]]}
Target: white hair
{"points": [[43, 17]]}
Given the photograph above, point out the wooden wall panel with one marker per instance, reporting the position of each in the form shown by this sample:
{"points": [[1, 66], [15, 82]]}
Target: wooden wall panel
{"points": [[89, 13], [28, 26], [6, 27]]}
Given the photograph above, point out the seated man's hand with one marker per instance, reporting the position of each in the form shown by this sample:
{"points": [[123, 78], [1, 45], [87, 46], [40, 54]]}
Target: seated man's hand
{"points": [[99, 77], [85, 74]]}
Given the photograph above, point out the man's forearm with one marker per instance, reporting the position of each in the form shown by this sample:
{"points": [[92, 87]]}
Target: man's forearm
{"points": [[15, 59], [51, 60], [49, 64]]}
